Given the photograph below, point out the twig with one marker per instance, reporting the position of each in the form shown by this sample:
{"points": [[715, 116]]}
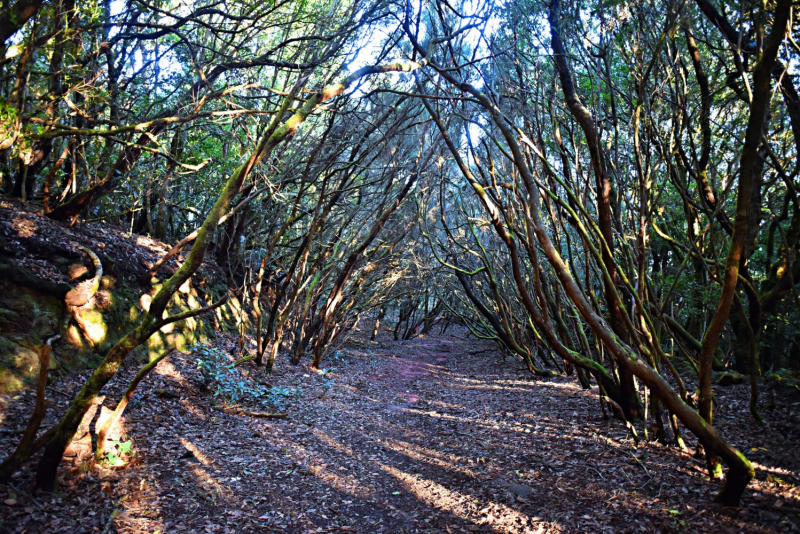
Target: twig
{"points": [[628, 424], [243, 359], [27, 446], [265, 415], [638, 461], [123, 403], [596, 471], [110, 521], [27, 495], [193, 313], [235, 410]]}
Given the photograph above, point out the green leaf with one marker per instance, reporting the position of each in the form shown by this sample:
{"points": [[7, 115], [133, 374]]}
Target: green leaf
{"points": [[115, 461]]}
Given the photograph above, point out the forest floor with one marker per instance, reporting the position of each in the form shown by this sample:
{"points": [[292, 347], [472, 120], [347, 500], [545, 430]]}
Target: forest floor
{"points": [[429, 435]]}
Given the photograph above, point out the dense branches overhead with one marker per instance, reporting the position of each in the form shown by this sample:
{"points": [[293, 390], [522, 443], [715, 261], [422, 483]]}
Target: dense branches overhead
{"points": [[609, 188]]}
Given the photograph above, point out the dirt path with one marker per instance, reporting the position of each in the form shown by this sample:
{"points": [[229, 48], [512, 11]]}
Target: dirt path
{"points": [[432, 435]]}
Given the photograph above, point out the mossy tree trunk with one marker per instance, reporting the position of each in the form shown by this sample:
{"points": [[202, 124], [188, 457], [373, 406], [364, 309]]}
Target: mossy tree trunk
{"points": [[750, 166]]}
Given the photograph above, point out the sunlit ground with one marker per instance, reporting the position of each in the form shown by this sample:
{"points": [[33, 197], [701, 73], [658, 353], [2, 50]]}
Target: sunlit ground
{"points": [[422, 436]]}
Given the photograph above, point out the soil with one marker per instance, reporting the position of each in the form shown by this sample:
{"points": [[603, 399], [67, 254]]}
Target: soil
{"points": [[436, 434]]}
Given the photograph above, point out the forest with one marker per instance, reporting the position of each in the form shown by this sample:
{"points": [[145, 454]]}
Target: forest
{"points": [[570, 200]]}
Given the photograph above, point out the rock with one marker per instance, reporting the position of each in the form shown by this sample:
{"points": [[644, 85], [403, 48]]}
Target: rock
{"points": [[778, 376], [517, 489], [76, 271], [520, 490], [730, 378], [8, 320], [17, 362], [34, 272]]}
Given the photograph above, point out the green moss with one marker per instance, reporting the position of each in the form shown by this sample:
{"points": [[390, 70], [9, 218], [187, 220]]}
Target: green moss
{"points": [[729, 378], [27, 317], [95, 327], [108, 282], [779, 375], [10, 382], [179, 341], [156, 343], [18, 365]]}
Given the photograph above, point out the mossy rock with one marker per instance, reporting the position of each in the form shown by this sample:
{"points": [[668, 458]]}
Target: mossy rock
{"points": [[790, 387], [28, 316], [779, 375], [94, 326], [9, 320], [730, 378], [10, 382], [19, 365]]}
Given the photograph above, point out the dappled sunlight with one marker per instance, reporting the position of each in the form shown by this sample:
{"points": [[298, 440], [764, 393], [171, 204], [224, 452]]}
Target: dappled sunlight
{"points": [[24, 226], [489, 383], [571, 385], [117, 431], [194, 410], [348, 485], [501, 460], [196, 452], [429, 456], [92, 325], [312, 462], [208, 487], [137, 506], [167, 369], [426, 489], [334, 444], [493, 387], [149, 243], [453, 501], [405, 267], [445, 405], [780, 471]]}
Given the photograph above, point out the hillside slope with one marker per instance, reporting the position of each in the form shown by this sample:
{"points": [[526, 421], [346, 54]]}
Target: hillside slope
{"points": [[41, 260]]}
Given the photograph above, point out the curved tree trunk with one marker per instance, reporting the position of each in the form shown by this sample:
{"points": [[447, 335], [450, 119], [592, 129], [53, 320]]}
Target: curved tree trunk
{"points": [[604, 190]]}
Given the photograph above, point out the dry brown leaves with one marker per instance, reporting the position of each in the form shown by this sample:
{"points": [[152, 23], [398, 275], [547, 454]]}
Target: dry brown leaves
{"points": [[431, 435]]}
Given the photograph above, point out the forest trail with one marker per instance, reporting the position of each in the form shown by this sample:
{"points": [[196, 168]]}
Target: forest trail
{"points": [[429, 435], [611, 184]]}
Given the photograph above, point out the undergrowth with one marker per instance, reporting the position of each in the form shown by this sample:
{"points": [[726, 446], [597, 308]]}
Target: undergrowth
{"points": [[233, 385]]}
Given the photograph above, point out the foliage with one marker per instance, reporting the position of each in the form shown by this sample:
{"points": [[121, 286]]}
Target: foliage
{"points": [[119, 451], [231, 384]]}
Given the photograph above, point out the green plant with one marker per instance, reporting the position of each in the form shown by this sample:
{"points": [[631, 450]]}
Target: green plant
{"points": [[232, 384], [119, 449]]}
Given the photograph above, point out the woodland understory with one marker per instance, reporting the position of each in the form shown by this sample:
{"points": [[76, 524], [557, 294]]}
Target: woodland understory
{"points": [[606, 193]]}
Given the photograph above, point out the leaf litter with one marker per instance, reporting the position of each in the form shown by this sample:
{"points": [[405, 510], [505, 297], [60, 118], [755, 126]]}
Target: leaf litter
{"points": [[431, 435]]}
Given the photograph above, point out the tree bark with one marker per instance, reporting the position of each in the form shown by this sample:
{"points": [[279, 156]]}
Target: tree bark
{"points": [[632, 404], [750, 165]]}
